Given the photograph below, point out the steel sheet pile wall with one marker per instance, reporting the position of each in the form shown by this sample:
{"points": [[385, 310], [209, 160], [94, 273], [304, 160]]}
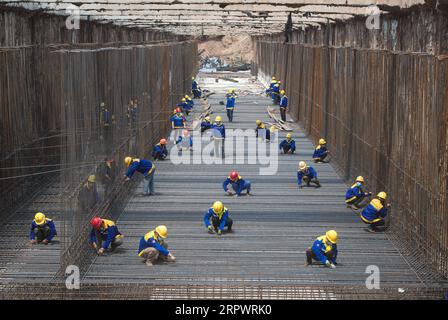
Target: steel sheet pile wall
{"points": [[30, 122], [385, 116]]}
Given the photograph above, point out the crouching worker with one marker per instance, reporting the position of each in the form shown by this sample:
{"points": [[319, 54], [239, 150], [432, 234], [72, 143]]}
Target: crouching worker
{"points": [[153, 246], [206, 124], [42, 229], [307, 174], [238, 184], [355, 197], [324, 250], [288, 144], [217, 219], [160, 152], [320, 152], [104, 234], [375, 213]]}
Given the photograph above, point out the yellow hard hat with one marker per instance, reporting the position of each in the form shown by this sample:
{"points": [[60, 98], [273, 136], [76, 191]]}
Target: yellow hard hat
{"points": [[127, 161], [162, 231], [288, 136], [258, 122], [192, 78], [230, 91], [272, 128], [332, 236], [282, 91], [183, 100], [218, 207], [273, 78], [102, 104], [360, 179], [302, 165], [39, 218], [91, 178], [186, 97], [382, 195], [218, 119], [322, 141]]}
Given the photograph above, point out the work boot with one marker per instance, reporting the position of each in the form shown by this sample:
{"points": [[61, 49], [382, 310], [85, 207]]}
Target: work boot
{"points": [[317, 184], [149, 263]]}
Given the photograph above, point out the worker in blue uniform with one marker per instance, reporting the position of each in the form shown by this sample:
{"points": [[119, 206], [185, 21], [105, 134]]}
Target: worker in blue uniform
{"points": [[271, 86], [320, 152], [153, 246], [324, 250], [237, 183], [375, 213], [288, 144], [178, 123], [206, 124], [275, 93], [104, 234], [195, 88], [230, 105], [160, 152], [217, 219], [145, 167], [283, 105], [185, 106], [307, 174], [42, 229], [189, 101], [218, 136], [261, 131], [355, 196]]}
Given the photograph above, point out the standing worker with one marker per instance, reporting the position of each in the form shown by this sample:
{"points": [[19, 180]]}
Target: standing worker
{"points": [[355, 196], [145, 167], [153, 246], [283, 105], [217, 219], [88, 195], [320, 152], [42, 228], [275, 93], [195, 88], [288, 144], [238, 184], [218, 136], [230, 105], [104, 234], [106, 121], [160, 151], [375, 213], [324, 250], [307, 174], [178, 123]]}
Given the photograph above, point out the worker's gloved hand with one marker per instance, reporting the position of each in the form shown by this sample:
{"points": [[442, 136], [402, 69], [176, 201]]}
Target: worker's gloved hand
{"points": [[327, 263], [94, 246], [33, 241], [219, 232], [210, 229], [45, 241], [229, 192], [332, 266], [389, 205], [101, 251]]}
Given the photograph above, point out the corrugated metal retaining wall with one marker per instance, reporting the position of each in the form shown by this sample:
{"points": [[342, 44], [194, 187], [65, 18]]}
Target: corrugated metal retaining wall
{"points": [[385, 116]]}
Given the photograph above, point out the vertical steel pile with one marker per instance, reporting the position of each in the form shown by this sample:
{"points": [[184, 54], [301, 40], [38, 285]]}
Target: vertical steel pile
{"points": [[384, 115]]}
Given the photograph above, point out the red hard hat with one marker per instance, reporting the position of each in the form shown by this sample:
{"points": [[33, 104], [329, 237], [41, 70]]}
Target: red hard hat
{"points": [[233, 175], [178, 110], [96, 222], [162, 141]]}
